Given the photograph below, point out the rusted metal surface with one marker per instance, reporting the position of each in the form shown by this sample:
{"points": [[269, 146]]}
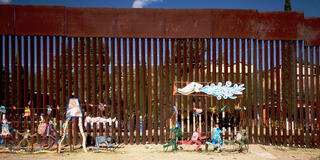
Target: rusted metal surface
{"points": [[25, 77], [266, 87], [255, 91], [190, 80], [118, 84], [278, 91], [38, 82], [137, 88], [7, 19], [94, 87], [131, 91], [107, 82], [179, 76], [301, 88], [143, 89], [149, 91], [57, 75], [167, 90], [162, 138], [39, 20], [249, 91], [260, 80], [155, 90], [90, 22], [272, 92], [231, 23], [277, 25], [144, 23], [13, 82], [125, 91], [19, 85], [311, 53], [186, 23], [312, 31], [32, 87], [318, 92]]}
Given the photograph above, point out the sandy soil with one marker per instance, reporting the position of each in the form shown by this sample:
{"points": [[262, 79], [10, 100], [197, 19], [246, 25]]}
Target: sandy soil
{"points": [[141, 152]]}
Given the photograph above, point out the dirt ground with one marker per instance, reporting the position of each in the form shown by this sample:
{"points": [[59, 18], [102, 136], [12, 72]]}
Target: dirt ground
{"points": [[147, 152]]}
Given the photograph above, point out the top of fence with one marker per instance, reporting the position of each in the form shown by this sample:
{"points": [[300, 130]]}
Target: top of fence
{"points": [[157, 23]]}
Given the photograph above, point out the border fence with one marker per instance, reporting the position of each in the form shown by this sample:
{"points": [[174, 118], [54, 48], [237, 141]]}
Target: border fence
{"points": [[129, 59]]}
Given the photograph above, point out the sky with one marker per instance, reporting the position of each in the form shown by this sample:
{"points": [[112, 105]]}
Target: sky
{"points": [[311, 8]]}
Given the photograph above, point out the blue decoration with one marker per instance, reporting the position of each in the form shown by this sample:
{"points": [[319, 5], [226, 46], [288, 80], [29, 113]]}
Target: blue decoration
{"points": [[226, 91], [175, 109], [178, 124], [3, 109]]}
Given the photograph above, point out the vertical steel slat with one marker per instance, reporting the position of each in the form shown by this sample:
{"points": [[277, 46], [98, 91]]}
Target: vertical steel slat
{"points": [[284, 80], [167, 59], [57, 72], [107, 82], [63, 76], [19, 73], [249, 93], [295, 82], [32, 87], [137, 87], [70, 87], [113, 84], [255, 90], [6, 72], [119, 89], [113, 90], [1, 69], [266, 87], [231, 102], [202, 80], [207, 120], [149, 91], [13, 84], [76, 86], [131, 91], [125, 91], [25, 79], [238, 77], [45, 72], [290, 85], [243, 80], [226, 78], [261, 113], [173, 74], [179, 85], [278, 92], [196, 76], [306, 85], [318, 92], [88, 84], [143, 89], [311, 96], [184, 77], [190, 117], [94, 87], [51, 91], [161, 91], [155, 90], [100, 84], [272, 91], [300, 46], [38, 82]]}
